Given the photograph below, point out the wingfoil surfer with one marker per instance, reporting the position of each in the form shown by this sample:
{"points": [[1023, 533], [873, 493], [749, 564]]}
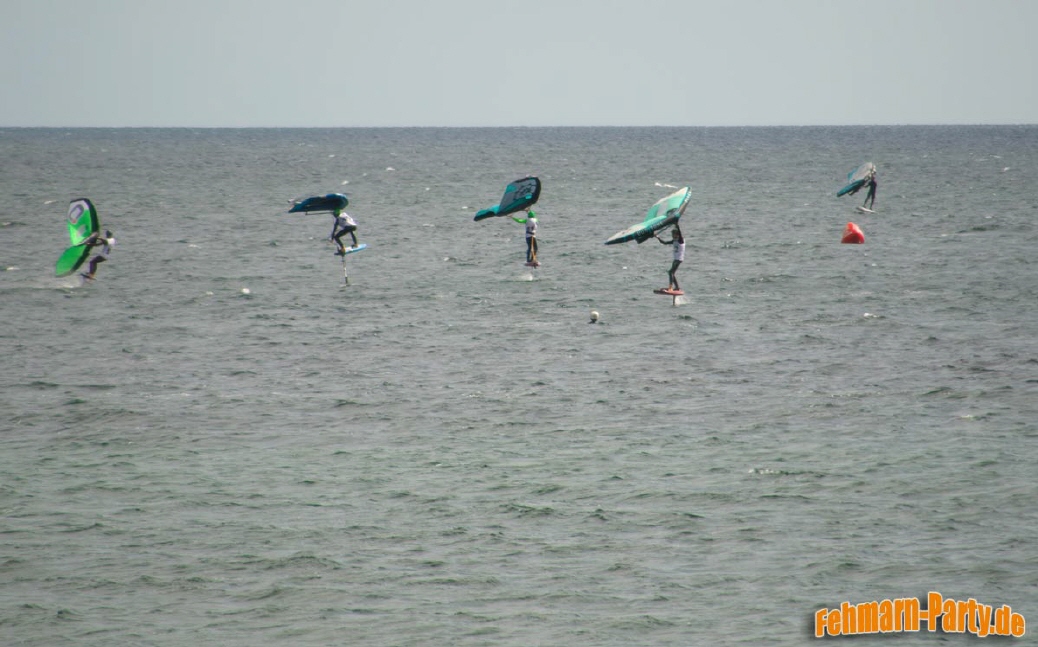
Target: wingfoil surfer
{"points": [[94, 240], [531, 234], [870, 197], [343, 225], [678, 241]]}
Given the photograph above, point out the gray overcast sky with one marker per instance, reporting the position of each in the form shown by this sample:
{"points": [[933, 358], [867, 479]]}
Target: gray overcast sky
{"points": [[517, 63]]}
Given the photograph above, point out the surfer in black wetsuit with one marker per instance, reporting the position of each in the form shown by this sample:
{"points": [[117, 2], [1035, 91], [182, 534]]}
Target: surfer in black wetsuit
{"points": [[95, 239], [870, 197], [343, 225]]}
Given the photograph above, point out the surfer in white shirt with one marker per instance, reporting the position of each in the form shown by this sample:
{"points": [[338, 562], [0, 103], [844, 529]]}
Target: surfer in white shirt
{"points": [[343, 225], [678, 241], [531, 234]]}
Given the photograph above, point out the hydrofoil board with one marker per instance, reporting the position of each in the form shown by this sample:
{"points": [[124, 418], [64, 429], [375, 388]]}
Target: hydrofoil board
{"points": [[350, 250]]}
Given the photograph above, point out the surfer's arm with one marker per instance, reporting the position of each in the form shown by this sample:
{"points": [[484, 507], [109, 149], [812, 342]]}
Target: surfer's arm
{"points": [[521, 221]]}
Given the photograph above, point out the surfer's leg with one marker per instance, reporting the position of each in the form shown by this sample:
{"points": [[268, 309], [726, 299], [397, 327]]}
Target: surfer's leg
{"points": [[671, 274], [533, 240], [529, 250], [93, 265], [351, 229]]}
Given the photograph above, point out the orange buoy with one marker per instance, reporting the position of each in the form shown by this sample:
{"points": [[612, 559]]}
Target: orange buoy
{"points": [[853, 235]]}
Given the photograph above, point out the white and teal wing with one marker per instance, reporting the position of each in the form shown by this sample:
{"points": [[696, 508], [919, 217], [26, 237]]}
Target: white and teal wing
{"points": [[857, 179], [663, 213]]}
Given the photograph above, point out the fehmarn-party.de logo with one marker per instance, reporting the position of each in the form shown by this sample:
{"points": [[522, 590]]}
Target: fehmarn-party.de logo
{"points": [[906, 615]]}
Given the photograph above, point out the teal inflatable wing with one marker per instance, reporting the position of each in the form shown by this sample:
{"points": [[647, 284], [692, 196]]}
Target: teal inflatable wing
{"points": [[857, 179], [320, 203], [664, 213], [519, 195]]}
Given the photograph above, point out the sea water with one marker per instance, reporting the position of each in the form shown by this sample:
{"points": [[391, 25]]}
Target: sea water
{"points": [[219, 441]]}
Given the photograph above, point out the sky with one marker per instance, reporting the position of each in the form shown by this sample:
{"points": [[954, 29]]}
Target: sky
{"points": [[370, 63]]}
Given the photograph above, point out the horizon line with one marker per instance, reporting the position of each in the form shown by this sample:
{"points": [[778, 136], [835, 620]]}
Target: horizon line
{"points": [[427, 127]]}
